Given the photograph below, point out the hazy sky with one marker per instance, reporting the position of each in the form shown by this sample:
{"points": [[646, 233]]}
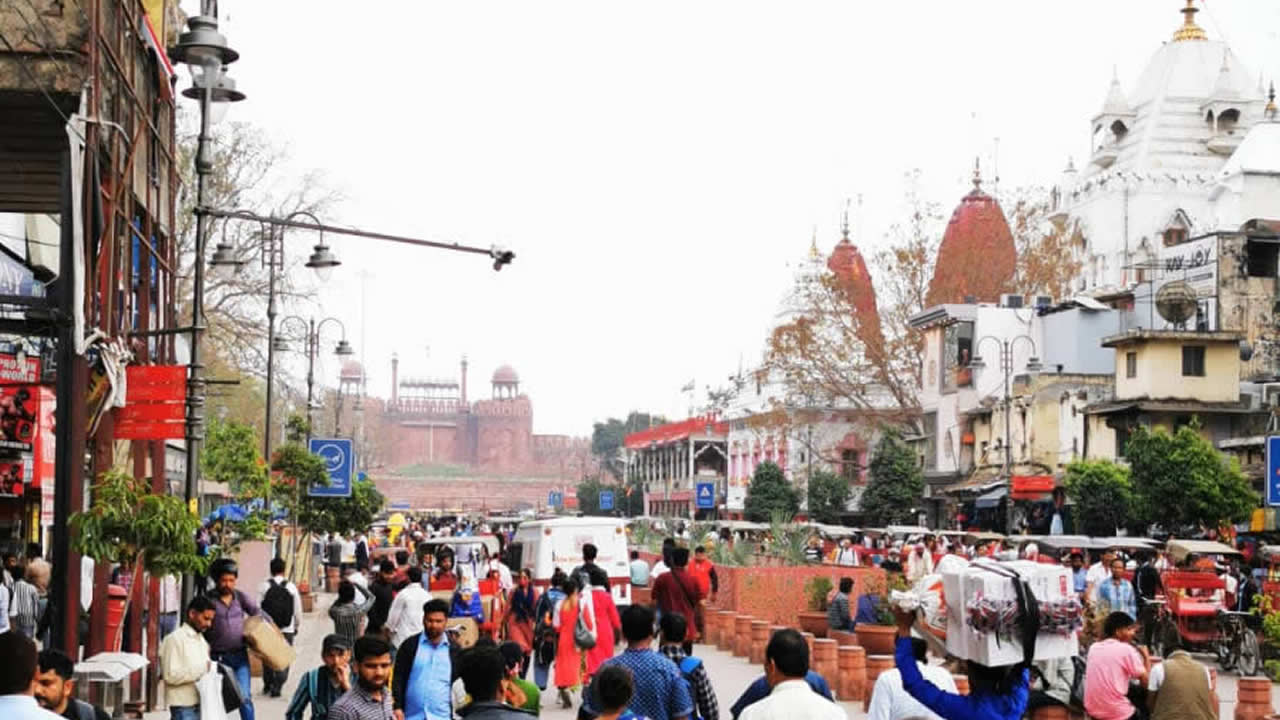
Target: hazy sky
{"points": [[656, 166]]}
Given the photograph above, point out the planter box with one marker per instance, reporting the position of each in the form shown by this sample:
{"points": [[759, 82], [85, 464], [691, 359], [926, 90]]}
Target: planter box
{"points": [[774, 593], [813, 621], [876, 639], [308, 601]]}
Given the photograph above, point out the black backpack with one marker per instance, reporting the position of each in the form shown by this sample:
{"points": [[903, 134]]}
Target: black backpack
{"points": [[278, 604]]}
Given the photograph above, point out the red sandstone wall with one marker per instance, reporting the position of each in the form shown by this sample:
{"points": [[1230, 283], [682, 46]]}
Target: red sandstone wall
{"points": [[777, 594], [465, 493]]}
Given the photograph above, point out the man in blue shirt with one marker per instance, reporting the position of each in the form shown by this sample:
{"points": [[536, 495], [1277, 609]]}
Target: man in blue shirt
{"points": [[423, 673], [1079, 573], [1116, 594], [661, 693]]}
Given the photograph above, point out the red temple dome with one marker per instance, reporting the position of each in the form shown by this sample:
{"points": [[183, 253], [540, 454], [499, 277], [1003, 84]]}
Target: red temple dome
{"points": [[852, 277], [506, 375], [977, 255]]}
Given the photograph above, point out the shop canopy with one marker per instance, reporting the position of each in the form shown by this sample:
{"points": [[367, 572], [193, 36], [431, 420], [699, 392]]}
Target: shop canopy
{"points": [[991, 498], [1180, 549]]}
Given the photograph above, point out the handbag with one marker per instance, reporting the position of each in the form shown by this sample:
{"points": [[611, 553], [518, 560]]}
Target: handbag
{"points": [[232, 698], [584, 636]]}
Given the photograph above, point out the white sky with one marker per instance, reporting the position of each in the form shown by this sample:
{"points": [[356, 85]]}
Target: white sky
{"points": [[657, 165]]}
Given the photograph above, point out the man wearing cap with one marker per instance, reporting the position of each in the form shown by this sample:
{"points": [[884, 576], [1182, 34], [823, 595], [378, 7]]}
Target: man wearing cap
{"points": [[322, 686]]}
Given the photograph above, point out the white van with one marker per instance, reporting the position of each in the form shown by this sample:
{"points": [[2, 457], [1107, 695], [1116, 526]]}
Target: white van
{"points": [[544, 545]]}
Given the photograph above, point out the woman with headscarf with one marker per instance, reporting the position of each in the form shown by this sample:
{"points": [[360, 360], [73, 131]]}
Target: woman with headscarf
{"points": [[520, 616]]}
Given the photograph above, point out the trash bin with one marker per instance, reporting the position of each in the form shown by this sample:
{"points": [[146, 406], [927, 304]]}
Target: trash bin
{"points": [[116, 597]]}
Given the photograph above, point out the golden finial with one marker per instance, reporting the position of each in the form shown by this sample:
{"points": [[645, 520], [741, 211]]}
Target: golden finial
{"points": [[1270, 110], [1190, 30], [977, 175], [813, 245]]}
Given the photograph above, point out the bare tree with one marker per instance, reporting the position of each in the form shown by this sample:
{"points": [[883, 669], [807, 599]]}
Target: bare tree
{"points": [[246, 175], [1046, 242]]}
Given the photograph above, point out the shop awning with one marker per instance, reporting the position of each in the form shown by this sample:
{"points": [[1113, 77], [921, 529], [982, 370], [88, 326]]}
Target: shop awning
{"points": [[991, 498]]}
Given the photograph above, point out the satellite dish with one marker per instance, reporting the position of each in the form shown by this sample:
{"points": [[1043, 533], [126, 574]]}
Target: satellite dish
{"points": [[1176, 302]]}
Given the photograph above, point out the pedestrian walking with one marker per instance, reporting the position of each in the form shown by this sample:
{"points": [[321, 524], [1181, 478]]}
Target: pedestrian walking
{"points": [[369, 699], [604, 620], [404, 620], [362, 553], [347, 614], [1116, 594], [482, 670], [568, 656], [838, 617], [786, 664], [545, 636], [333, 551], [678, 591], [890, 701], [1112, 664], [759, 690], [282, 602], [384, 592], [18, 679], [518, 623], [582, 573], [226, 636], [56, 688], [692, 668], [30, 598], [516, 691], [423, 677], [660, 691], [401, 577], [321, 687], [348, 553], [704, 571], [184, 659], [614, 688]]}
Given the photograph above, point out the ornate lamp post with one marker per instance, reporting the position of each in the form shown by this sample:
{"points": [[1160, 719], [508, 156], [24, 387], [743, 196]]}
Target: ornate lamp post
{"points": [[1005, 347]]}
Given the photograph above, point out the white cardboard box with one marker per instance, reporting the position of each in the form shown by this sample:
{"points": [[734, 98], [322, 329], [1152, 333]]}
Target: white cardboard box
{"points": [[1048, 582]]}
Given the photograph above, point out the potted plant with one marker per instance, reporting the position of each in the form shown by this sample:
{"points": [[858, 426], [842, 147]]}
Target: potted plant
{"points": [[814, 620], [878, 638]]}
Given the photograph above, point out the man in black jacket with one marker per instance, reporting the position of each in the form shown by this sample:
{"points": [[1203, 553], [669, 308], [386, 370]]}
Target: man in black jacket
{"points": [[383, 593], [431, 689]]}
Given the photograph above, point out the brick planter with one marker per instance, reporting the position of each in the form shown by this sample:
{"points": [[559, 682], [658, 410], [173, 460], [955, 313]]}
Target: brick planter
{"points": [[1253, 698], [852, 662], [843, 637], [876, 664], [808, 639], [742, 635], [826, 661], [725, 641], [641, 595], [775, 593], [759, 639]]}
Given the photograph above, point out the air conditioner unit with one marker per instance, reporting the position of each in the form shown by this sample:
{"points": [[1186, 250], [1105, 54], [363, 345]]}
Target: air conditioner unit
{"points": [[1011, 301], [1042, 301], [1271, 394]]}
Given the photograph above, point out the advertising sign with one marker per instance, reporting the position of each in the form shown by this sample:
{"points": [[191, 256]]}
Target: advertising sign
{"points": [[12, 473], [1273, 470], [339, 462], [554, 499], [155, 409], [1196, 263]]}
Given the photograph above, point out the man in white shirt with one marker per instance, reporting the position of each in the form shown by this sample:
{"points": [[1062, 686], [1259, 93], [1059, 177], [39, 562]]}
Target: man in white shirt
{"points": [[1098, 573], [184, 659], [404, 620], [889, 701], [785, 666], [18, 679], [285, 608], [847, 556]]}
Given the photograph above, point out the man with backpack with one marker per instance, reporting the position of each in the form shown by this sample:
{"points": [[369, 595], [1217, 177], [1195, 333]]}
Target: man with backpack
{"points": [[282, 603], [674, 627]]}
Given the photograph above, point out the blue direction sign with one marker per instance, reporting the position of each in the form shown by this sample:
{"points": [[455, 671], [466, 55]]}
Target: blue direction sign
{"points": [[339, 462], [555, 499], [1273, 470], [706, 499], [606, 499]]}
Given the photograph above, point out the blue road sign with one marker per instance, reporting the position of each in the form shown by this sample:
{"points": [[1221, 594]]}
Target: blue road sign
{"points": [[555, 499], [339, 462], [1273, 470], [706, 496], [606, 499]]}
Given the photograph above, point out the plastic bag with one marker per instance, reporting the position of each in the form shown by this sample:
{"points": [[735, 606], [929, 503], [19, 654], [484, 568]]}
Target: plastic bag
{"points": [[209, 687]]}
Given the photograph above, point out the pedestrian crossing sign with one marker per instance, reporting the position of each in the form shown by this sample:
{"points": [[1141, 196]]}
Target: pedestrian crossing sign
{"points": [[706, 496]]}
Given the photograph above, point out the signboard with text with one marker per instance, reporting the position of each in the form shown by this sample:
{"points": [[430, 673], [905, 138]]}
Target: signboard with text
{"points": [[606, 499], [155, 409], [1273, 470]]}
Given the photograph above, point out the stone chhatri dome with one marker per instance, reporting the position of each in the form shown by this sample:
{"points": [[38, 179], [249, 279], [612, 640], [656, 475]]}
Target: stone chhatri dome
{"points": [[850, 269], [977, 255], [505, 375]]}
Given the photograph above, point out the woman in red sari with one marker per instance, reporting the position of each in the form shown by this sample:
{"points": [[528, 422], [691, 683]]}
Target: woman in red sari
{"points": [[520, 616], [607, 624]]}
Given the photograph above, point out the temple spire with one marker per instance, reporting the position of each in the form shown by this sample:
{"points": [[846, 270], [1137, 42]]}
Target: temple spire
{"points": [[844, 222], [1270, 111], [1190, 30], [977, 175]]}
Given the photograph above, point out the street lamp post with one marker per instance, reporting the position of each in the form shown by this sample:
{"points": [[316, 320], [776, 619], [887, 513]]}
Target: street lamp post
{"points": [[1006, 347], [206, 53], [313, 328], [322, 260]]}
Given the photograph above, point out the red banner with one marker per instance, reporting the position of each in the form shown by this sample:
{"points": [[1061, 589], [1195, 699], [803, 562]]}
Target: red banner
{"points": [[17, 417], [1025, 484], [154, 403], [45, 459]]}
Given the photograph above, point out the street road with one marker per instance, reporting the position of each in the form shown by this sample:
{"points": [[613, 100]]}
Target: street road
{"points": [[729, 674]]}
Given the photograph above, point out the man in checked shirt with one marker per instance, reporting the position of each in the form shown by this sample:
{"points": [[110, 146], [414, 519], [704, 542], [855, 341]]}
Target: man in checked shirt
{"points": [[693, 669]]}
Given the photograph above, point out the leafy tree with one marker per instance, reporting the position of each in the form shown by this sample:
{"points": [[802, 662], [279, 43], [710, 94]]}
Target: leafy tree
{"points": [[828, 496], [896, 482], [128, 524], [1182, 482], [1103, 496], [231, 455], [589, 497], [607, 438], [342, 514], [770, 493]]}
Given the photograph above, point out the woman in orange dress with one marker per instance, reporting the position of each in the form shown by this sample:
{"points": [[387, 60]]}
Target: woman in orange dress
{"points": [[568, 673]]}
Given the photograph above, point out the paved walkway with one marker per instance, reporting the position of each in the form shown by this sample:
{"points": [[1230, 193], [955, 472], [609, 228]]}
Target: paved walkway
{"points": [[730, 675]]}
